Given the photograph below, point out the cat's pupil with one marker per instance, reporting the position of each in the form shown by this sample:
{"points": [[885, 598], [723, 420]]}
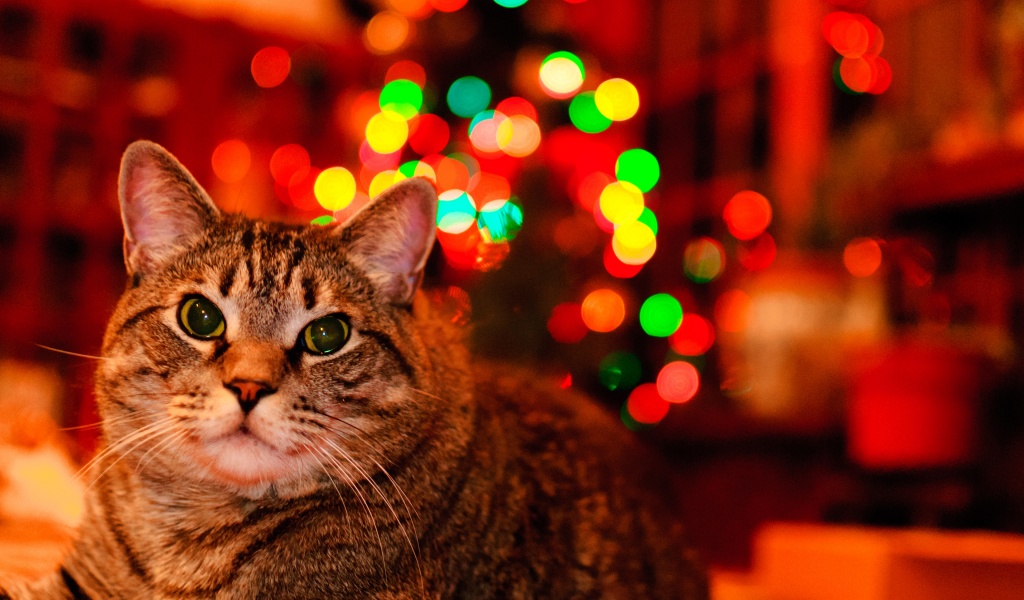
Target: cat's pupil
{"points": [[201, 318], [325, 335]]}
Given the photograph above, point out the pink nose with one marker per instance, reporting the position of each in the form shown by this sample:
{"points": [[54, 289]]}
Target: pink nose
{"points": [[248, 392]]}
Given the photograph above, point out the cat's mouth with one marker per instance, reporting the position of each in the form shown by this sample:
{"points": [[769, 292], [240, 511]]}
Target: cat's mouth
{"points": [[243, 457]]}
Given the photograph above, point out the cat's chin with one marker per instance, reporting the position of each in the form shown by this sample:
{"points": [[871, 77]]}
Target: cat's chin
{"points": [[242, 460]]}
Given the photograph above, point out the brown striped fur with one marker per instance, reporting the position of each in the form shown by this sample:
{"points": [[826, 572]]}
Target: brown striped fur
{"points": [[397, 467]]}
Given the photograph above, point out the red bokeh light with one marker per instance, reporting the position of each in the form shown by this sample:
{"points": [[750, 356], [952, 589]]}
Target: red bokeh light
{"points": [[678, 381], [747, 215], [287, 161], [617, 268], [270, 66], [566, 323], [646, 405], [694, 337], [428, 134], [757, 254]]}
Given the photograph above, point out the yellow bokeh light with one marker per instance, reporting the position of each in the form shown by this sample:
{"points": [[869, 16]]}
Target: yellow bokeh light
{"points": [[634, 243], [617, 99], [621, 202], [387, 32], [335, 188], [518, 136], [386, 132], [422, 170], [382, 181], [560, 77]]}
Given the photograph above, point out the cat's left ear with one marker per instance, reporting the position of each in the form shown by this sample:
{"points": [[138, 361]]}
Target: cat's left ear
{"points": [[162, 207], [391, 237]]}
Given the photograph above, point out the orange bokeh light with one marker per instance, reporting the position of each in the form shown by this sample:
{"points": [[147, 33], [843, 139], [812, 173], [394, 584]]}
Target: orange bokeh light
{"points": [[862, 256], [603, 310], [747, 215], [731, 311], [231, 161]]}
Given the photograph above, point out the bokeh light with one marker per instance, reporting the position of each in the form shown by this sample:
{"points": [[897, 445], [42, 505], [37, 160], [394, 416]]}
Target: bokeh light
{"points": [[323, 220], [617, 268], [703, 259], [414, 9], [648, 218], [862, 256], [286, 161], [428, 134], [518, 136], [561, 74], [448, 5], [566, 323], [501, 220], [335, 188], [619, 370], [387, 132], [386, 32], [639, 167], [585, 116], [403, 97], [634, 243], [378, 161], [747, 215], [694, 337], [510, 3], [231, 161], [758, 253], [603, 310], [617, 99], [678, 381], [514, 105], [645, 404], [661, 315], [468, 96], [270, 66], [456, 211], [409, 70], [731, 311], [621, 202], [381, 181]]}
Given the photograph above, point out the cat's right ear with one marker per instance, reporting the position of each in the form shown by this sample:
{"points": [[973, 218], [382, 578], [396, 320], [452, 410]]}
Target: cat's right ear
{"points": [[162, 207]]}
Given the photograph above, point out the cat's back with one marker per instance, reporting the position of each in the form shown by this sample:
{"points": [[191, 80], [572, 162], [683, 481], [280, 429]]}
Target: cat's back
{"points": [[578, 508]]}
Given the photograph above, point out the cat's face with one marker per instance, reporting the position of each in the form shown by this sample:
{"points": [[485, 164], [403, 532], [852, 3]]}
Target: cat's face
{"points": [[253, 355]]}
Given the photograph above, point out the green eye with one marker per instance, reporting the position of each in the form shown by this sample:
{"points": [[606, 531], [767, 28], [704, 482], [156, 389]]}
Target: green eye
{"points": [[325, 335], [201, 318]]}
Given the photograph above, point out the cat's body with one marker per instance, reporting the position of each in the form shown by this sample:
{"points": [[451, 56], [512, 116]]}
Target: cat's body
{"points": [[285, 416]]}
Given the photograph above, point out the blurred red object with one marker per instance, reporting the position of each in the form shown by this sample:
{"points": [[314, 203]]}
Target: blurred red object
{"points": [[917, 407]]}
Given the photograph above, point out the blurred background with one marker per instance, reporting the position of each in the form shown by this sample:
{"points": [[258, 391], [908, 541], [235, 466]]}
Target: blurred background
{"points": [[779, 238]]}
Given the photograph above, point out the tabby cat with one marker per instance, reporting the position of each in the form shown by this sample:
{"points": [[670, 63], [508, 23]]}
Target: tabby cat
{"points": [[285, 415]]}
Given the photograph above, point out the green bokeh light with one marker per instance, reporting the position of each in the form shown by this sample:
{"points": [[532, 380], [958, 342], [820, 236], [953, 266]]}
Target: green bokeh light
{"points": [[570, 56], [510, 3], [459, 208], [323, 220], [503, 222], [648, 218], [639, 167], [469, 95], [584, 114], [403, 97], [661, 315], [619, 371]]}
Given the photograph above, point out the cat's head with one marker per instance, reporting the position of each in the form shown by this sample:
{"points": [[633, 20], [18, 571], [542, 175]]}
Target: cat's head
{"points": [[257, 355]]}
